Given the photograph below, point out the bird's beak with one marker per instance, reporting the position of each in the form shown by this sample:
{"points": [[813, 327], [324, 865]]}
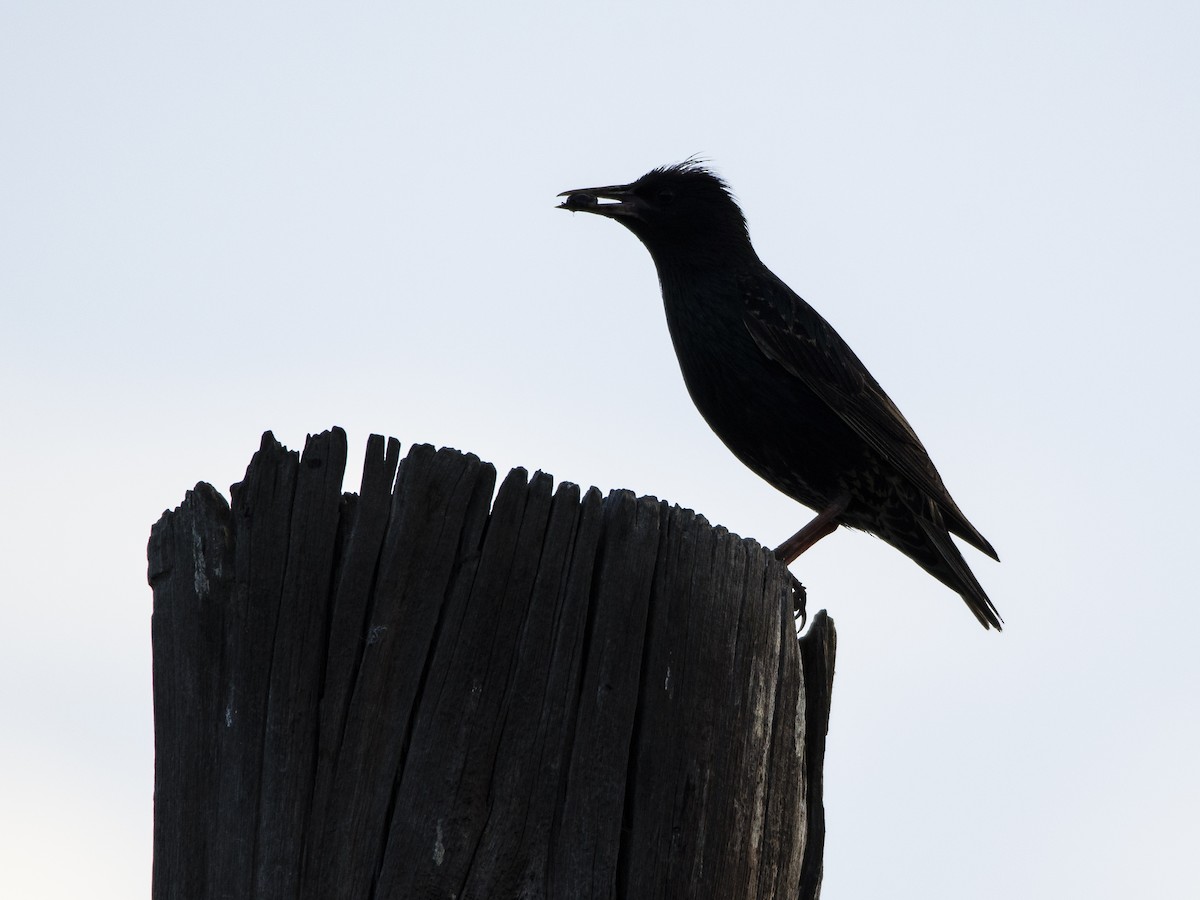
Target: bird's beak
{"points": [[615, 201]]}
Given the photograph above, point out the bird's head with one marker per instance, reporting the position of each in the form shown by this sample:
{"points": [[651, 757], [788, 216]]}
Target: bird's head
{"points": [[680, 209]]}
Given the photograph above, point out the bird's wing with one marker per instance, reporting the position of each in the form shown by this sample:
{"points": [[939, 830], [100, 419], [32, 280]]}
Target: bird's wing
{"points": [[789, 331]]}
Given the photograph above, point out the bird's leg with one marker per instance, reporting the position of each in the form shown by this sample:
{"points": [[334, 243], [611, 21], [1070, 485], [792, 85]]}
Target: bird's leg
{"points": [[824, 523]]}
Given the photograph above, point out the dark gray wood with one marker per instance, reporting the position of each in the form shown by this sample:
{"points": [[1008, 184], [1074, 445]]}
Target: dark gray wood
{"points": [[299, 647], [417, 692], [364, 521], [818, 651], [438, 514], [587, 839], [191, 570]]}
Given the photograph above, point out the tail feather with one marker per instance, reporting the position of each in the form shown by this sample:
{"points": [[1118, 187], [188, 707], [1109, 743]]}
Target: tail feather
{"points": [[951, 569], [958, 525]]}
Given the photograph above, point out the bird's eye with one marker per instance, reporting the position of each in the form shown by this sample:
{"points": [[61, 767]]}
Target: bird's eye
{"points": [[665, 197]]}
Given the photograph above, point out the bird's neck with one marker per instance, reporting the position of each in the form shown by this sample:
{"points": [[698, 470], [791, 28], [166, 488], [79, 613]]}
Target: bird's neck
{"points": [[702, 295], [718, 261], [710, 271]]}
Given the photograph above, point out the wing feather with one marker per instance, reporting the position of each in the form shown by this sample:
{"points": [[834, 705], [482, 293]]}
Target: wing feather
{"points": [[793, 334]]}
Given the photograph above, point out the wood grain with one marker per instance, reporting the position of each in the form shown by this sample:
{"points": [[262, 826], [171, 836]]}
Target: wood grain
{"points": [[414, 691]]}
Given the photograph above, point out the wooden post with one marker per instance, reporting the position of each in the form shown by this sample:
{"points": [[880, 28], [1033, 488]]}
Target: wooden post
{"points": [[417, 692]]}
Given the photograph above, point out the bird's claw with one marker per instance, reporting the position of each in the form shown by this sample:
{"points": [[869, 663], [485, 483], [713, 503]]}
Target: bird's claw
{"points": [[799, 601]]}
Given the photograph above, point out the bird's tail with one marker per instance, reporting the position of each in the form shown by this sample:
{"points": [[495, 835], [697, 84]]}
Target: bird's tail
{"points": [[957, 524], [948, 566]]}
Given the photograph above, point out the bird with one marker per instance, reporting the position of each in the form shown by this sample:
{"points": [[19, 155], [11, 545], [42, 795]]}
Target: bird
{"points": [[780, 387]]}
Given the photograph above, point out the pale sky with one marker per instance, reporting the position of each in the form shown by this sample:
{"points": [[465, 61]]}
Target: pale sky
{"points": [[227, 219]]}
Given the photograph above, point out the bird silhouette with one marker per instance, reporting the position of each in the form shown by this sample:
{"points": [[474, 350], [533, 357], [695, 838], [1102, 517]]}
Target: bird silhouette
{"points": [[780, 387]]}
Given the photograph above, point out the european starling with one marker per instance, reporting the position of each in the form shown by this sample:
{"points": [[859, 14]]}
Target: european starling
{"points": [[780, 387]]}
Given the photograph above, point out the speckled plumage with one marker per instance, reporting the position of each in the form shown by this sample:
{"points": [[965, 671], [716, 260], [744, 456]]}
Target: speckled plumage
{"points": [[778, 385]]}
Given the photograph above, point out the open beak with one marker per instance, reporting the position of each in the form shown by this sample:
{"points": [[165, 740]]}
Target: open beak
{"points": [[615, 201]]}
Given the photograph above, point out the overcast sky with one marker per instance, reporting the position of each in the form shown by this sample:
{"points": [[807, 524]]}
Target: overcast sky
{"points": [[237, 217]]}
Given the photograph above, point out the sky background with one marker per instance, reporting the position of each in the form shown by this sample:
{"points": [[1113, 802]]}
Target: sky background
{"points": [[221, 220]]}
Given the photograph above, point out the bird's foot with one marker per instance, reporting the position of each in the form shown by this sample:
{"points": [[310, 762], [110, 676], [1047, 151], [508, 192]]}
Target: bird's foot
{"points": [[799, 600]]}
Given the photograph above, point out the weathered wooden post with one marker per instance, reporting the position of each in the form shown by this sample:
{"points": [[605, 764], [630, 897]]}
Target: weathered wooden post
{"points": [[417, 693]]}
